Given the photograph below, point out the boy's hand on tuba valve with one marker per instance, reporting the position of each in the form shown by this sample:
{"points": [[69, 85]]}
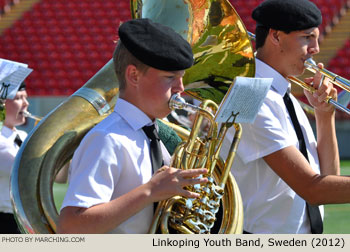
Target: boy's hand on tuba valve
{"points": [[169, 181]]}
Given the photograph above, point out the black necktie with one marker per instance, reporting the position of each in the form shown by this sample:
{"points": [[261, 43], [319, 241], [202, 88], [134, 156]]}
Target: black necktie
{"points": [[313, 211], [18, 140], [156, 152]]}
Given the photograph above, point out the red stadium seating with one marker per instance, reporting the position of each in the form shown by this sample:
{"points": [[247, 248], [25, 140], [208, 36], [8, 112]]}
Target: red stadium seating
{"points": [[329, 9], [341, 62], [66, 42], [2, 5]]}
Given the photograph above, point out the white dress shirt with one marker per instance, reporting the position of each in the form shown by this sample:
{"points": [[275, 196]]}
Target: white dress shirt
{"points": [[8, 152], [112, 159], [270, 205]]}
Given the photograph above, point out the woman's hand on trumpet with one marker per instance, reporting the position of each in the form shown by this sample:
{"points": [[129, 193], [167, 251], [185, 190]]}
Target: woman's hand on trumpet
{"points": [[324, 90], [169, 181]]}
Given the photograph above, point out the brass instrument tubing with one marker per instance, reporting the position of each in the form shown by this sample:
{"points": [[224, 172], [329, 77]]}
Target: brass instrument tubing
{"points": [[334, 78], [158, 213], [215, 157], [233, 149], [312, 90]]}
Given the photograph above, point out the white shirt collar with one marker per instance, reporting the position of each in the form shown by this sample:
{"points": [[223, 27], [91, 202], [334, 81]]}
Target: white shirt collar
{"points": [[7, 132], [134, 116], [279, 83]]}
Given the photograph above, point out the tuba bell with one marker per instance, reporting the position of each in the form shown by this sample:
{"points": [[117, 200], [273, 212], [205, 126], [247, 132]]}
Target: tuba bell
{"points": [[222, 51]]}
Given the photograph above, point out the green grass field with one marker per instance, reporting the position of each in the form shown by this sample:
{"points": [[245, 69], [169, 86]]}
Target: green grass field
{"points": [[336, 221], [337, 216]]}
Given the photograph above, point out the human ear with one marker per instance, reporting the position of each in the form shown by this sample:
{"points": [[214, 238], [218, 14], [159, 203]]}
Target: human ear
{"points": [[274, 36], [132, 74]]}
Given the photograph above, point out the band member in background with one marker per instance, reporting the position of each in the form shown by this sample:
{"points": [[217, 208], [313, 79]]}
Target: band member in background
{"points": [[283, 172], [10, 141], [111, 187]]}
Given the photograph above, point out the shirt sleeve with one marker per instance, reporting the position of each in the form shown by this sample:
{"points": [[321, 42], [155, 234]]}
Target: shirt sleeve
{"points": [[94, 171], [268, 133]]}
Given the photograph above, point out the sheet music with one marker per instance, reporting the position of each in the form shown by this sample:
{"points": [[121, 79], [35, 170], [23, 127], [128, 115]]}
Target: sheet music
{"points": [[244, 97], [12, 74]]}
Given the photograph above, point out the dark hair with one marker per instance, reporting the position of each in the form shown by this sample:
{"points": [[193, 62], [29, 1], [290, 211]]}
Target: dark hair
{"points": [[121, 59], [22, 86], [261, 33]]}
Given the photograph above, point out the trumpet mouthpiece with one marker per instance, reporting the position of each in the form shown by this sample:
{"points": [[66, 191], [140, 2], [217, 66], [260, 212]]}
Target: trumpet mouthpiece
{"points": [[177, 102], [310, 63], [28, 114]]}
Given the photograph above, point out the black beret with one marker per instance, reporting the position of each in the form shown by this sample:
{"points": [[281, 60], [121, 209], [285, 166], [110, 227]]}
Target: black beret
{"points": [[287, 15], [156, 45]]}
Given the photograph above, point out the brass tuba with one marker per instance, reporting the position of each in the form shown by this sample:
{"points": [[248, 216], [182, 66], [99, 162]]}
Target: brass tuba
{"points": [[222, 51]]}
